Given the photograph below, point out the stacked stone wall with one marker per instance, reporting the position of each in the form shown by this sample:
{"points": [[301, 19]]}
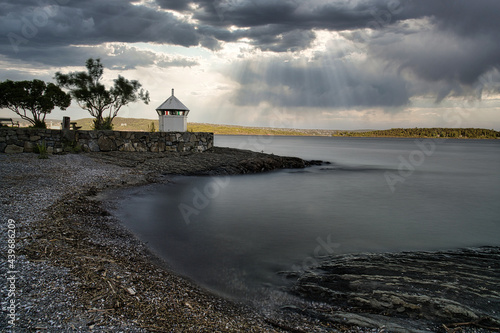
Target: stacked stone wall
{"points": [[18, 140]]}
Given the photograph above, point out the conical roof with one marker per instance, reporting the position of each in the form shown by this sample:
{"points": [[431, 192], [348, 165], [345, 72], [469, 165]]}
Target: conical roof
{"points": [[172, 104]]}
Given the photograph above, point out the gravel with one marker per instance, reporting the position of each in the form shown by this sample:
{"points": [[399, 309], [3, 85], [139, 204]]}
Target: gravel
{"points": [[45, 294], [76, 269]]}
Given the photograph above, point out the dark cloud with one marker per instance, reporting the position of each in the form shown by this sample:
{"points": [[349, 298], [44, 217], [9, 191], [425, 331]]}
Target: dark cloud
{"points": [[113, 56], [456, 46], [20, 75], [435, 57], [275, 25], [45, 27], [415, 48], [467, 18], [177, 5], [324, 83], [279, 39], [447, 44], [288, 25]]}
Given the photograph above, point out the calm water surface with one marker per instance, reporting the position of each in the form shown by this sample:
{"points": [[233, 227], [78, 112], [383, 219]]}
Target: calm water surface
{"points": [[234, 234]]}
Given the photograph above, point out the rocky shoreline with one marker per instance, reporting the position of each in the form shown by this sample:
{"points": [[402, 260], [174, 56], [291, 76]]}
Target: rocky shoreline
{"points": [[409, 291], [75, 268], [79, 270]]}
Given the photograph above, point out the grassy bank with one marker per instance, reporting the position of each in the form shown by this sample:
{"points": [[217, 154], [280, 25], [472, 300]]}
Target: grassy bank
{"points": [[135, 124], [146, 125]]}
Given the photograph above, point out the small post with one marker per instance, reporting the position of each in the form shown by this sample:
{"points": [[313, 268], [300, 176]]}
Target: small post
{"points": [[66, 123], [66, 132]]}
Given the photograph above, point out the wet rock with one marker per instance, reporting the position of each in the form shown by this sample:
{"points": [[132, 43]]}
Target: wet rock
{"points": [[215, 161], [422, 287]]}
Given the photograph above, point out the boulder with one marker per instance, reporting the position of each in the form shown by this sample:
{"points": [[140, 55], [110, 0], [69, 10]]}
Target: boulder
{"points": [[13, 149], [127, 146], [29, 146], [140, 147], [154, 147], [93, 146], [106, 144]]}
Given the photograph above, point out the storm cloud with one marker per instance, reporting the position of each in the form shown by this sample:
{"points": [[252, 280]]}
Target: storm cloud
{"points": [[322, 83], [409, 47], [45, 31]]}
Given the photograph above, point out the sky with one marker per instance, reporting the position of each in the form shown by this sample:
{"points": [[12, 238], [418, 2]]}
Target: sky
{"points": [[326, 64]]}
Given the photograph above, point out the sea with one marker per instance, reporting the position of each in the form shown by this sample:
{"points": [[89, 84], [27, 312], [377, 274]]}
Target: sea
{"points": [[236, 235]]}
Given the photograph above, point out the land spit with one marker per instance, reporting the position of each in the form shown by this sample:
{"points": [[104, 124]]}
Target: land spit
{"points": [[77, 269]]}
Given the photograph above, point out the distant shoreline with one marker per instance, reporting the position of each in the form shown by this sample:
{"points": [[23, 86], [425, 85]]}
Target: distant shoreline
{"points": [[364, 136], [145, 125]]}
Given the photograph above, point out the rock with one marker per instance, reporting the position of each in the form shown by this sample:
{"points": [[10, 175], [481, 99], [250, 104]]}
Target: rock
{"points": [[161, 146], [126, 135], [154, 147], [127, 146], [29, 146], [140, 147], [93, 146], [13, 149], [106, 144], [453, 286]]}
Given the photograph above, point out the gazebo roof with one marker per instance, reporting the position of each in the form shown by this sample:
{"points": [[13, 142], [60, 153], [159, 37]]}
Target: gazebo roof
{"points": [[172, 104]]}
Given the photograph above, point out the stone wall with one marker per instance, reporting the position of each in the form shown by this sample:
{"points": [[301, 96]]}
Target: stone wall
{"points": [[18, 140]]}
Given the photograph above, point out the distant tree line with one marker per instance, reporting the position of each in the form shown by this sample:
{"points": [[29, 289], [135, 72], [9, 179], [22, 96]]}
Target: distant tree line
{"points": [[469, 133]]}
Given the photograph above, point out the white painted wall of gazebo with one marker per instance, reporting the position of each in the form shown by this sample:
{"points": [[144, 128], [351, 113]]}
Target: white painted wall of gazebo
{"points": [[173, 123]]}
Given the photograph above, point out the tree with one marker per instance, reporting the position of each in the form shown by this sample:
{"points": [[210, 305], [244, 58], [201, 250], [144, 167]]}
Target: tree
{"points": [[92, 95], [35, 97]]}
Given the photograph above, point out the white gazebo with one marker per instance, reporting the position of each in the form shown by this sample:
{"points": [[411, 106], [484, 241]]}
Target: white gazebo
{"points": [[173, 115]]}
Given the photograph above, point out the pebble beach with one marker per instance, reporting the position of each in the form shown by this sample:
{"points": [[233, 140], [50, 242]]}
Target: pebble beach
{"points": [[75, 269]]}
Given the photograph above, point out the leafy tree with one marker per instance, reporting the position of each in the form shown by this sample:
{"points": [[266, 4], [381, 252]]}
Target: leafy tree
{"points": [[92, 95], [35, 97]]}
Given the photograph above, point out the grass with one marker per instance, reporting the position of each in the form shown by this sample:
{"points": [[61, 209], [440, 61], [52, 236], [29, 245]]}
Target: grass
{"points": [[145, 125], [121, 124], [42, 150]]}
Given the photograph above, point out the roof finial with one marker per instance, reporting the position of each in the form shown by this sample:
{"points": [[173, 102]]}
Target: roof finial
{"points": [[172, 91]]}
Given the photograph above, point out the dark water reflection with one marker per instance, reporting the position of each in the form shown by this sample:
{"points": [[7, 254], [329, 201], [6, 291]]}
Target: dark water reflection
{"points": [[233, 234]]}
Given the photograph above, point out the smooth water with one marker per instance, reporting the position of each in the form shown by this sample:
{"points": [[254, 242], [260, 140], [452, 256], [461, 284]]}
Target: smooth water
{"points": [[234, 234]]}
